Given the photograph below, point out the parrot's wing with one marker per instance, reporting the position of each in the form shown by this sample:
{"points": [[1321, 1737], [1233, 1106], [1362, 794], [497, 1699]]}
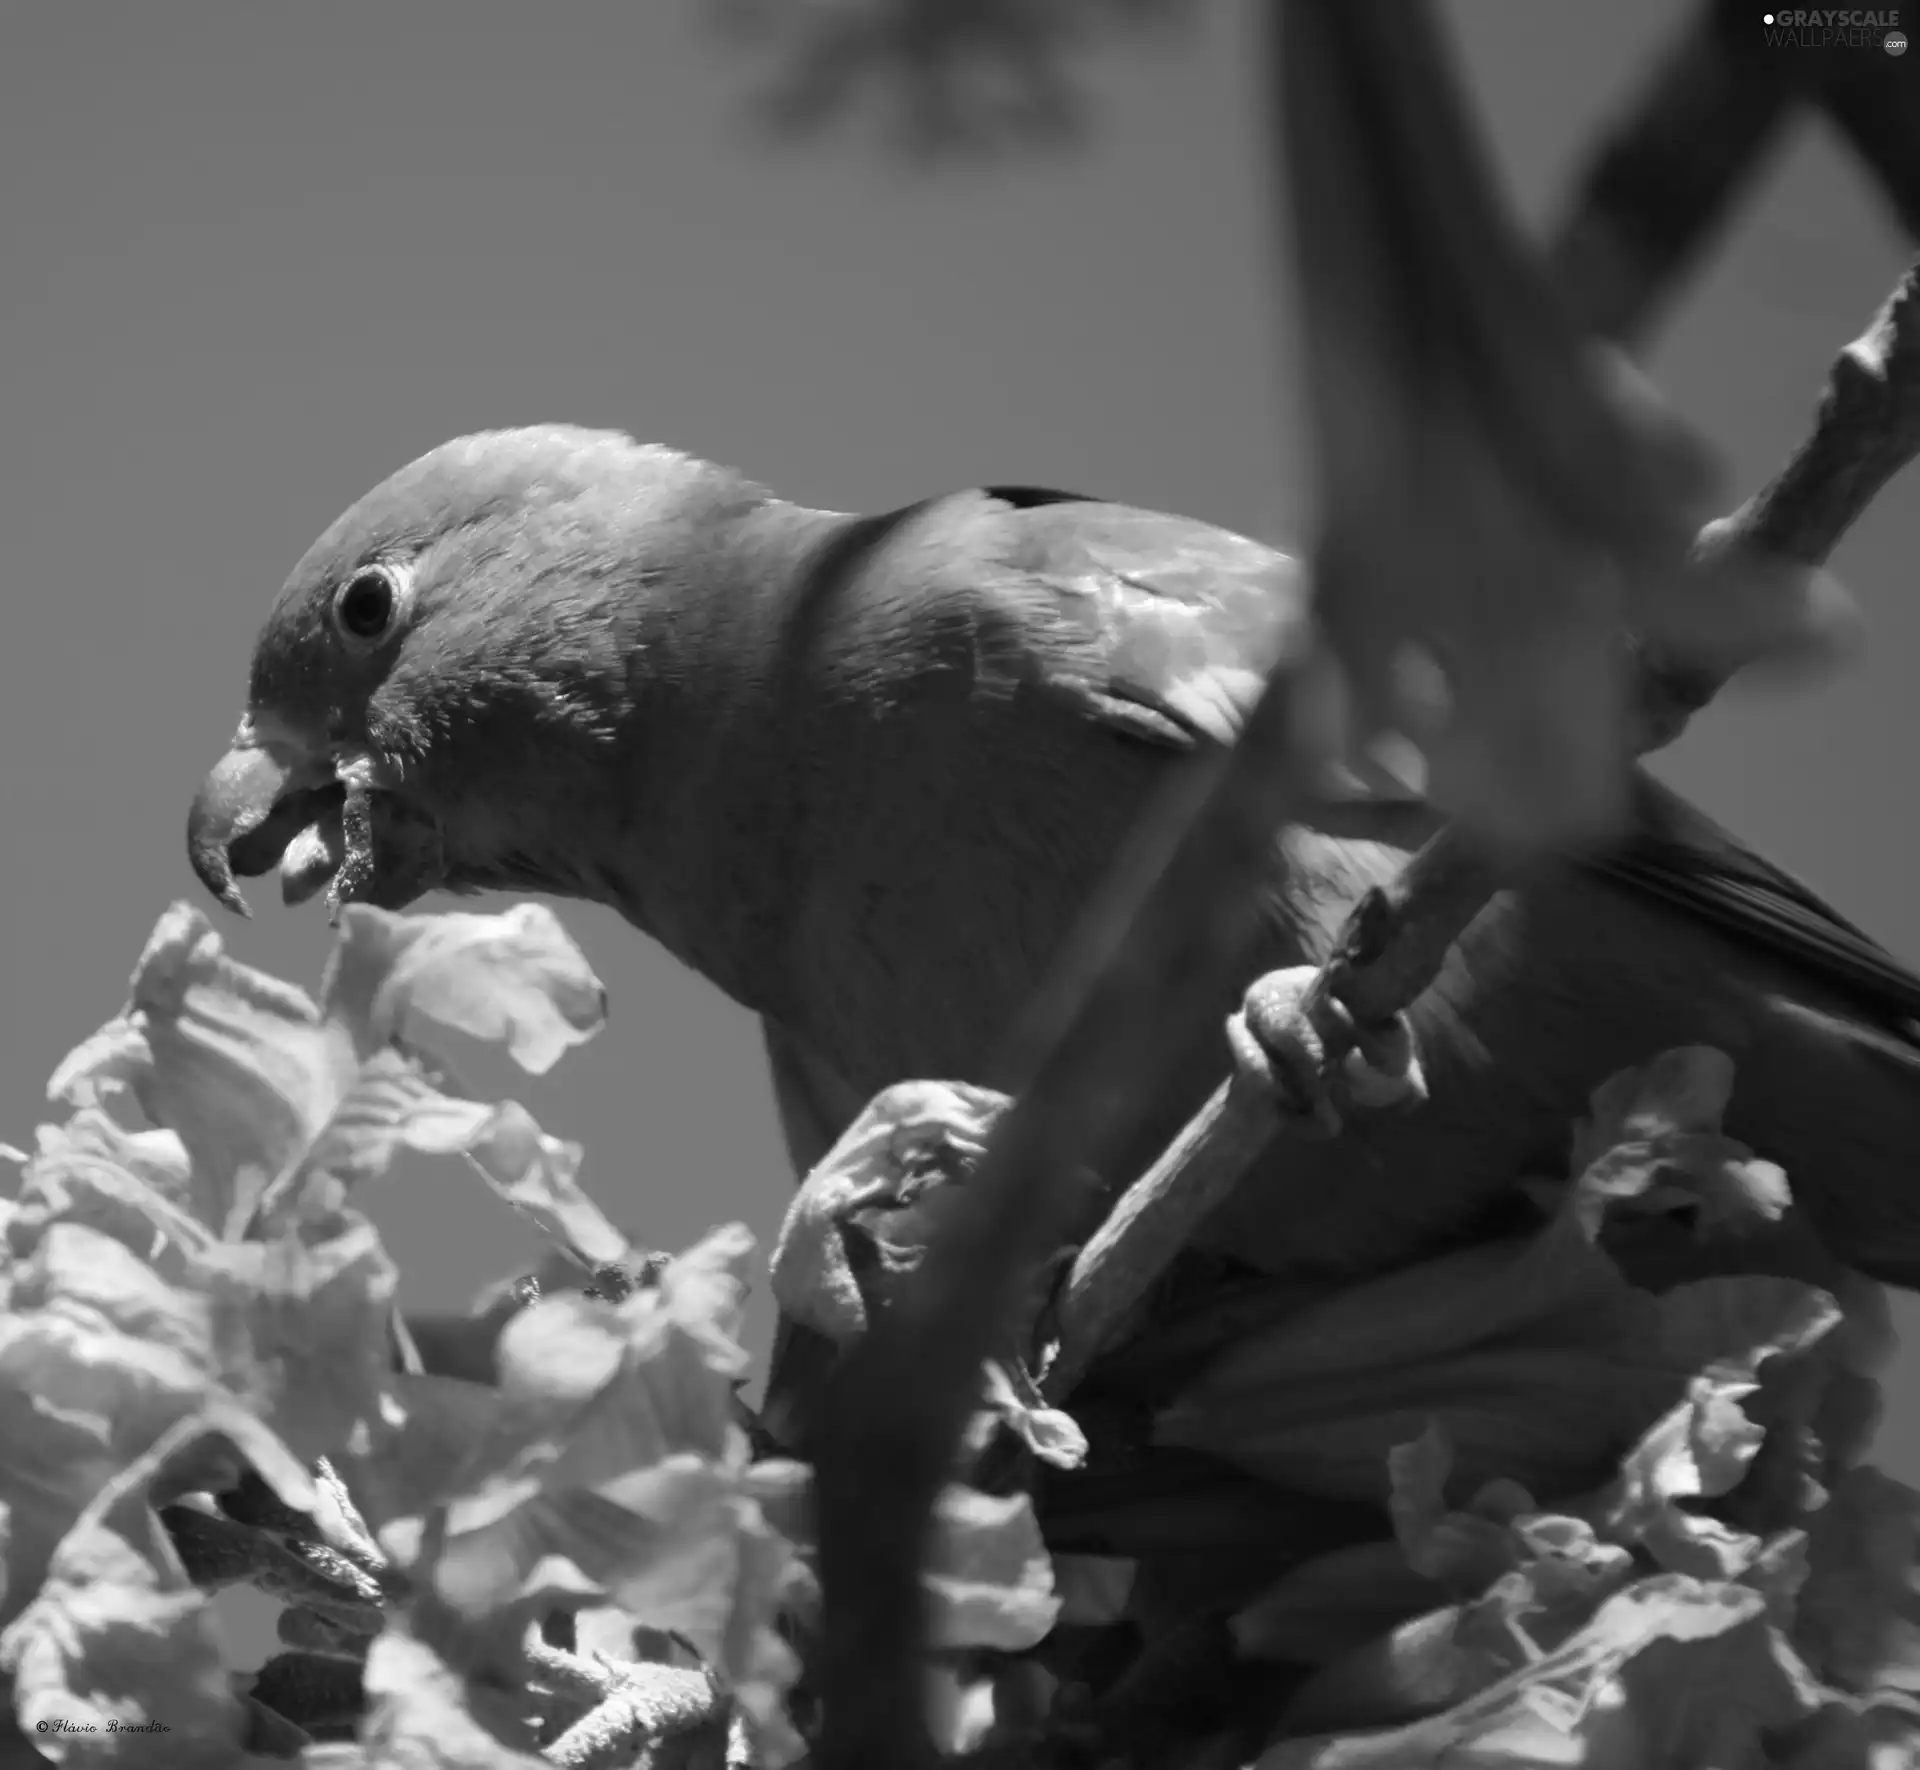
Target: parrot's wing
{"points": [[1174, 624], [1680, 855], [1164, 627], [1171, 624]]}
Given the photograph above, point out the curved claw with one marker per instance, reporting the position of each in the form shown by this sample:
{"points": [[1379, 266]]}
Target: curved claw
{"points": [[1383, 1068], [1304, 1047], [1279, 1042]]}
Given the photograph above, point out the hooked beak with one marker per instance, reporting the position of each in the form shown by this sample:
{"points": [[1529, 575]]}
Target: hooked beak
{"points": [[255, 800], [326, 816]]}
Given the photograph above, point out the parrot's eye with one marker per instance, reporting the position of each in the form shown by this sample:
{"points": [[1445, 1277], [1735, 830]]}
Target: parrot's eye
{"points": [[363, 607]]}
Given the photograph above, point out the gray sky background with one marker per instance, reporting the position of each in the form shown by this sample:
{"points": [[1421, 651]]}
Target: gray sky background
{"points": [[262, 255]]}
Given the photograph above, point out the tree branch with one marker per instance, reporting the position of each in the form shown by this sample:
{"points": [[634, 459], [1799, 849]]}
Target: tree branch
{"points": [[1868, 428]]}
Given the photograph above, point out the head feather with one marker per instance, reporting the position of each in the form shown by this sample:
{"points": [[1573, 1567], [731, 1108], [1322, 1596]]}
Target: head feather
{"points": [[538, 560]]}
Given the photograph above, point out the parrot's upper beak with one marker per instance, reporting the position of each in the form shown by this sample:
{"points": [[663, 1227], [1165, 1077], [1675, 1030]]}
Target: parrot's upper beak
{"points": [[327, 815], [254, 801]]}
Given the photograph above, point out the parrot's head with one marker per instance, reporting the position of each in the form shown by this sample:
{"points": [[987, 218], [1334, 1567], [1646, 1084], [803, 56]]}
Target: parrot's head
{"points": [[443, 687]]}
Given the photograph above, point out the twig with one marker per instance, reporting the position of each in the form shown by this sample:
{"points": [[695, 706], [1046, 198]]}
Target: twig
{"points": [[307, 1630], [325, 1695], [1394, 943], [590, 1680], [298, 1570], [1868, 428], [634, 1705]]}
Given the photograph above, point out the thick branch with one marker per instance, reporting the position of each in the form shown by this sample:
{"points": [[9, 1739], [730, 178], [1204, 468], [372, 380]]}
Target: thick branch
{"points": [[1868, 428], [634, 1705]]}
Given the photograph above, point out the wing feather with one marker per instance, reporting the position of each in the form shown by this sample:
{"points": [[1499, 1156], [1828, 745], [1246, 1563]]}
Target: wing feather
{"points": [[1170, 628], [1681, 856]]}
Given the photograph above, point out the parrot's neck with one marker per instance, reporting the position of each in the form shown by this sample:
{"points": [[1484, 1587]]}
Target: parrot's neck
{"points": [[729, 643]]}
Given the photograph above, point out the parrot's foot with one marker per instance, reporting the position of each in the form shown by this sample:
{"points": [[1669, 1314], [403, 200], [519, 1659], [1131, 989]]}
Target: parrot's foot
{"points": [[1312, 1057]]}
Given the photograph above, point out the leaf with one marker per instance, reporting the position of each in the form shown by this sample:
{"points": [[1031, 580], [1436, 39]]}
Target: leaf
{"points": [[537, 1175], [440, 1423], [1535, 1356], [1450, 1303], [133, 1185], [265, 1090], [1683, 1089], [389, 1104], [590, 1388], [104, 1351], [904, 1159], [988, 1576], [423, 1715], [680, 1545], [514, 979], [1094, 1590], [1857, 1619], [117, 1650], [236, 1063], [1702, 1447], [79, 1403], [1464, 1550], [305, 1319], [1532, 1671], [1654, 1137], [989, 1580], [1333, 1604], [1878, 1735], [88, 1277], [263, 1103], [1012, 1399], [1506, 1560], [393, 1103], [1670, 1673], [149, 1296], [612, 1471], [888, 1185]]}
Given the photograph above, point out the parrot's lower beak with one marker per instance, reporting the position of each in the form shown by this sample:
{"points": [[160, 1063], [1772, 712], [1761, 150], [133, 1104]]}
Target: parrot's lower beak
{"points": [[252, 804]]}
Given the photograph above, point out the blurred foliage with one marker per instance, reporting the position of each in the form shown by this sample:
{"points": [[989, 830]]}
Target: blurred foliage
{"points": [[940, 78]]}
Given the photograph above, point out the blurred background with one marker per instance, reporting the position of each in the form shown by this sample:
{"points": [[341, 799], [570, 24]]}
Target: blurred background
{"points": [[261, 256]]}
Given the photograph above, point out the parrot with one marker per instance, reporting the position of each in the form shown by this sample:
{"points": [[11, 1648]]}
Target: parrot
{"points": [[863, 772]]}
